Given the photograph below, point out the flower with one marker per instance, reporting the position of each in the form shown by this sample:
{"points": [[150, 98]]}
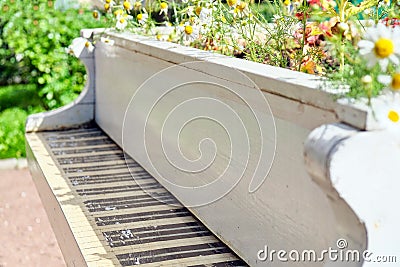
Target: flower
{"points": [[198, 10], [108, 5], [393, 115], [163, 8], [190, 32], [78, 45], [388, 117], [107, 41], [231, 3], [381, 45], [118, 13], [240, 10], [392, 81], [189, 11], [205, 15], [121, 23], [96, 15], [142, 18], [137, 5], [127, 5]]}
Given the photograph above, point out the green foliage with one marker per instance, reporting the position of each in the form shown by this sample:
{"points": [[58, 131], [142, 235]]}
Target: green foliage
{"points": [[266, 9], [36, 73], [12, 124], [19, 95], [33, 40]]}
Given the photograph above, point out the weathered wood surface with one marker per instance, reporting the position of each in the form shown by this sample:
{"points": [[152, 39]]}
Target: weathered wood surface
{"points": [[288, 211], [310, 197]]}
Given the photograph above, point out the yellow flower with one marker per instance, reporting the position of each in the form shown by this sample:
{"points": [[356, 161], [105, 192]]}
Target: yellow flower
{"points": [[396, 82], [190, 32], [142, 18], [121, 23], [78, 45], [127, 5], [96, 14], [118, 13], [384, 47], [188, 29], [392, 81], [381, 45], [198, 10], [223, 19], [242, 6], [164, 5], [192, 20], [137, 5], [163, 8], [107, 41], [393, 115], [231, 2]]}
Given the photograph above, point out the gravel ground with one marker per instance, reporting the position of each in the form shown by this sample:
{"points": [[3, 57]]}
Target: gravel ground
{"points": [[26, 237]]}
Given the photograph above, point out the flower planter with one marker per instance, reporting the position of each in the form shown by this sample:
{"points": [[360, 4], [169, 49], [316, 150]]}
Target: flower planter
{"points": [[261, 155]]}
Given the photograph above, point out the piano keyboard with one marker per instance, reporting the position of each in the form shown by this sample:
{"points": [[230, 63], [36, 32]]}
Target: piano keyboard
{"points": [[124, 221]]}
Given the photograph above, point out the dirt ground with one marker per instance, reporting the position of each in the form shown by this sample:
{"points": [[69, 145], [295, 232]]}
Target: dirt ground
{"points": [[26, 237]]}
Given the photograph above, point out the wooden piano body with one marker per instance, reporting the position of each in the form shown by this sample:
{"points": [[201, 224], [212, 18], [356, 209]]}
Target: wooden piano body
{"points": [[128, 174]]}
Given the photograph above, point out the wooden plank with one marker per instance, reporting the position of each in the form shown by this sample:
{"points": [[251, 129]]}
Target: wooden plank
{"points": [[48, 180]]}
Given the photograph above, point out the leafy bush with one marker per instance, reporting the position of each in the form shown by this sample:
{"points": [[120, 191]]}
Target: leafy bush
{"points": [[36, 73], [19, 95], [32, 49], [12, 124]]}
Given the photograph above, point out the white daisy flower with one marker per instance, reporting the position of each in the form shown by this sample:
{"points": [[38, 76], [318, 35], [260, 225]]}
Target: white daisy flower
{"points": [[241, 10], [96, 14], [205, 15], [142, 18], [189, 11], [108, 5], [381, 45], [163, 8], [392, 81], [388, 117], [106, 40], [127, 6], [190, 32], [77, 46], [122, 22]]}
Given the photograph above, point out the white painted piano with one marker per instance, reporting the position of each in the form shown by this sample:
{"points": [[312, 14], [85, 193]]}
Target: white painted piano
{"points": [[173, 156]]}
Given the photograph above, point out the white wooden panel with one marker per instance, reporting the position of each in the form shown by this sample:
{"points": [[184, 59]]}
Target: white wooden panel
{"points": [[288, 211]]}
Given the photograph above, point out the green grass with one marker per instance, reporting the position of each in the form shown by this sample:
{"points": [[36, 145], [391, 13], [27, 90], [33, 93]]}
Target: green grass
{"points": [[16, 103], [12, 125], [19, 95]]}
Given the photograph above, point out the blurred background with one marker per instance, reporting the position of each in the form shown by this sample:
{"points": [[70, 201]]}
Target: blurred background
{"points": [[36, 74]]}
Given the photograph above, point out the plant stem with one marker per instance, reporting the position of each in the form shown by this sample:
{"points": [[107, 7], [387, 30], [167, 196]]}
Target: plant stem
{"points": [[341, 55], [303, 41]]}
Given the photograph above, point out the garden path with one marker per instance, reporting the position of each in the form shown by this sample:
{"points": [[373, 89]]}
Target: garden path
{"points": [[26, 237]]}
